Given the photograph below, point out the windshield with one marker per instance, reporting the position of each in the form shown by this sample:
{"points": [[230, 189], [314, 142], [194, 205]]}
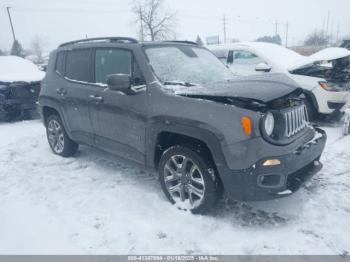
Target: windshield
{"points": [[187, 64]]}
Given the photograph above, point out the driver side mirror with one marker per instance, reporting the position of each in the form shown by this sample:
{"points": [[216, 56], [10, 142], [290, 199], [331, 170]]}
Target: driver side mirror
{"points": [[119, 82], [263, 67]]}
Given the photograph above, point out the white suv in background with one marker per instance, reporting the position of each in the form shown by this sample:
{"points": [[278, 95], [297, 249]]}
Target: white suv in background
{"points": [[324, 76]]}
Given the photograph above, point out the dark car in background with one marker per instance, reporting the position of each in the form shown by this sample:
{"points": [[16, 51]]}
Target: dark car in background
{"points": [[173, 106], [346, 44], [19, 88]]}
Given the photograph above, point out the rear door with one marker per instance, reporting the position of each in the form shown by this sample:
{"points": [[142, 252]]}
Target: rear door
{"points": [[119, 120], [78, 76]]}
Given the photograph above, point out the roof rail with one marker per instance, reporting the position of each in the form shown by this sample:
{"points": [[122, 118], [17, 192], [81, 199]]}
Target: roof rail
{"points": [[181, 41], [110, 39]]}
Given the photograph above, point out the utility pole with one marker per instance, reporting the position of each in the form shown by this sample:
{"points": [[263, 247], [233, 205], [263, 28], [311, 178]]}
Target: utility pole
{"points": [[338, 33], [224, 23], [287, 27], [276, 27], [13, 31], [141, 24], [327, 23]]}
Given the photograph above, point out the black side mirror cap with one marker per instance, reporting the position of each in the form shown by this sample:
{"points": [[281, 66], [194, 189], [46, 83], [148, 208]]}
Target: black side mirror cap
{"points": [[119, 82]]}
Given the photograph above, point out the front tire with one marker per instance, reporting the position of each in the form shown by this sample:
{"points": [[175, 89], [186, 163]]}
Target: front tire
{"points": [[58, 139], [187, 180]]}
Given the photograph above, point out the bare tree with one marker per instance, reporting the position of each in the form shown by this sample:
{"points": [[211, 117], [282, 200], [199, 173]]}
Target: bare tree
{"points": [[276, 39], [317, 38], [155, 23], [38, 44]]}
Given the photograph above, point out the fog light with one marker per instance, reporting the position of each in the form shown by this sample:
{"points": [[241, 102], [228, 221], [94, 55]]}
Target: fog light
{"points": [[272, 162]]}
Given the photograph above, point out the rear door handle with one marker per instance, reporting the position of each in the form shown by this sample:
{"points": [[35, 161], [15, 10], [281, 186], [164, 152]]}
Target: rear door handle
{"points": [[96, 98], [61, 91]]}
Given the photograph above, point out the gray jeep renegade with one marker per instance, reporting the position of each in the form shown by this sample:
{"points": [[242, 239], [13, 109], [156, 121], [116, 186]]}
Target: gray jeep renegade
{"points": [[175, 107]]}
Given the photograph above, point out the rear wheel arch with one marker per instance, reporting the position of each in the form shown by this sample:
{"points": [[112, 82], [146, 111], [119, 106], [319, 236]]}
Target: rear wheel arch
{"points": [[48, 111]]}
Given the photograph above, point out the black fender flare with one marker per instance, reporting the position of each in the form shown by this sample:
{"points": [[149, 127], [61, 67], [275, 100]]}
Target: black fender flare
{"points": [[208, 135], [309, 95], [54, 104]]}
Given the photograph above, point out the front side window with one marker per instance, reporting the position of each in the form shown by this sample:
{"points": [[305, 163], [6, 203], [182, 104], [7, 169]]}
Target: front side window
{"points": [[184, 63], [244, 63], [112, 61], [78, 64]]}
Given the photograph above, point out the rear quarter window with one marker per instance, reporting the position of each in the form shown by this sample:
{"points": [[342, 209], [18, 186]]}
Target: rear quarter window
{"points": [[59, 66]]}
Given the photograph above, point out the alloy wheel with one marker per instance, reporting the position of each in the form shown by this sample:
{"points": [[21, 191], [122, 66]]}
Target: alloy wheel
{"points": [[184, 181], [55, 136]]}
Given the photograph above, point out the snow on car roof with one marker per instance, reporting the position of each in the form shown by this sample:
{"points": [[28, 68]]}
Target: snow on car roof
{"points": [[272, 52], [17, 69]]}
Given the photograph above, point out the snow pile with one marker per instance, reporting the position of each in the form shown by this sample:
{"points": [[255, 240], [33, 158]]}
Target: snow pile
{"points": [[95, 203], [17, 69]]}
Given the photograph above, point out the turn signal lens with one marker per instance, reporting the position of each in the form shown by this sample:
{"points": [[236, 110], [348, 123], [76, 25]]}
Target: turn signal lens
{"points": [[272, 162], [247, 125], [324, 85]]}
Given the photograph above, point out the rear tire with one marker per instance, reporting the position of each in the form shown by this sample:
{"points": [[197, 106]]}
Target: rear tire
{"points": [[187, 180], [58, 139]]}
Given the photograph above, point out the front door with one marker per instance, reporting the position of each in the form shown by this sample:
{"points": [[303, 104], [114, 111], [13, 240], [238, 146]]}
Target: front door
{"points": [[119, 120]]}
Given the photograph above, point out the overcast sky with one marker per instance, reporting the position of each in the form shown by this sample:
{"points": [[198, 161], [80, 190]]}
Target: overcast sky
{"points": [[64, 20]]}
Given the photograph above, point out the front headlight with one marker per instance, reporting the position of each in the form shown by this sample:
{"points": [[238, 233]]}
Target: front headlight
{"points": [[3, 87], [333, 87], [269, 123]]}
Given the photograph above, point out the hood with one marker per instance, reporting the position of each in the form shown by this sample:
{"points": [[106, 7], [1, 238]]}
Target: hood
{"points": [[261, 88], [17, 69], [325, 55]]}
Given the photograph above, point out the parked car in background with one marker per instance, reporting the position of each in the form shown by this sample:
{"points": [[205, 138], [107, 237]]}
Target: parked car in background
{"points": [[19, 88], [345, 44], [206, 133], [324, 76]]}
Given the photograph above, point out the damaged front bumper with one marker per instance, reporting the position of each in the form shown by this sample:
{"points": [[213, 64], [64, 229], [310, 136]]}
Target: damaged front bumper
{"points": [[20, 104], [283, 177]]}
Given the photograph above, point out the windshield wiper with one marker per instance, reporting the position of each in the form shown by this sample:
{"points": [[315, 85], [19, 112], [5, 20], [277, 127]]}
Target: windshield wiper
{"points": [[179, 83]]}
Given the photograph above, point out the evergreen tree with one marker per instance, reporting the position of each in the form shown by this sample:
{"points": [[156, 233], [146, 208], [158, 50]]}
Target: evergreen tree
{"points": [[17, 49], [199, 41]]}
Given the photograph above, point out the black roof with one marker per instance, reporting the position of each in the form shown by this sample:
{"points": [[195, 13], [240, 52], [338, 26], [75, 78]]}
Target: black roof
{"points": [[99, 39], [118, 39]]}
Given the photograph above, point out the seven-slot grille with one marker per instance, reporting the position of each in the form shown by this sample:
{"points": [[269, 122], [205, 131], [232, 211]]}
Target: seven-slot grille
{"points": [[295, 120]]}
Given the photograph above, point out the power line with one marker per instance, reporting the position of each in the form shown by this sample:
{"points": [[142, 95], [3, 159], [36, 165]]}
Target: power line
{"points": [[66, 10]]}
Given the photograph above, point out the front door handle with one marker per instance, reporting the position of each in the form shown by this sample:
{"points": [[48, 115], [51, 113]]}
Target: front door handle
{"points": [[61, 91], [96, 98]]}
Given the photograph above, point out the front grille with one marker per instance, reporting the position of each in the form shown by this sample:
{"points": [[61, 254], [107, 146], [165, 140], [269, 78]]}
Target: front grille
{"points": [[295, 120], [24, 91]]}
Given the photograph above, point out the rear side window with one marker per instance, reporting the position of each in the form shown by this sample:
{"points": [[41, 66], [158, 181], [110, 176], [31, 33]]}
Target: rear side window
{"points": [[78, 65], [59, 67], [112, 61]]}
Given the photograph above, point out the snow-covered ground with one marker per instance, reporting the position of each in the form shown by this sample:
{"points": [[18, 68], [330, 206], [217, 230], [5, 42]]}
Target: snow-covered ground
{"points": [[96, 203]]}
